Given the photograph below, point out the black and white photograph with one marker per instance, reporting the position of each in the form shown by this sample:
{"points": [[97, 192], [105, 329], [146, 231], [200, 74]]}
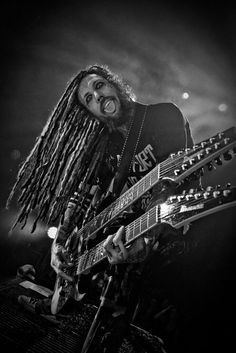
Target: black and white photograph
{"points": [[118, 176]]}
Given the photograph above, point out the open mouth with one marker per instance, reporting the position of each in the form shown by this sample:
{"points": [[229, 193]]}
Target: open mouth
{"points": [[109, 106]]}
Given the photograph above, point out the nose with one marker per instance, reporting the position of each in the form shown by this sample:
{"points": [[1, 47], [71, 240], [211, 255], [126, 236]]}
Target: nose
{"points": [[98, 96]]}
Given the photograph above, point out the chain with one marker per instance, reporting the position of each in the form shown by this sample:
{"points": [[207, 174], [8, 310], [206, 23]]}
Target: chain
{"points": [[125, 142]]}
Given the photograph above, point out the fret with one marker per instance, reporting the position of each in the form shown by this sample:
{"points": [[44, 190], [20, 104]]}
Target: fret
{"points": [[155, 174], [79, 265], [136, 227], [128, 233], [140, 188], [135, 191], [131, 230], [152, 218], [144, 222], [99, 252], [147, 183], [85, 261], [92, 257]]}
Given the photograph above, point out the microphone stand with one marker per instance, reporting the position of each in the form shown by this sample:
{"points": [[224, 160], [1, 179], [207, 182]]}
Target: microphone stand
{"points": [[105, 303]]}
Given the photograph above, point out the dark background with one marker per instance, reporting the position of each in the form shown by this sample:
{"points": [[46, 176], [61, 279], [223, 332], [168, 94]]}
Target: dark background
{"points": [[161, 48]]}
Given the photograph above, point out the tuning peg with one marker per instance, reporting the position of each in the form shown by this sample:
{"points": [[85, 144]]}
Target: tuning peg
{"points": [[184, 166], [209, 188], [218, 187], [195, 147], [206, 194], [197, 195], [200, 156], [187, 149], [208, 150], [227, 192], [220, 135], [180, 197], [203, 144], [172, 198], [216, 193], [226, 140], [212, 139], [180, 152], [192, 161], [188, 197], [217, 145], [228, 185], [172, 155], [177, 171]]}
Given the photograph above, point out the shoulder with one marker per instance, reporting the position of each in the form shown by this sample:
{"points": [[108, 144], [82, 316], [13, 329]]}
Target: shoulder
{"points": [[166, 111]]}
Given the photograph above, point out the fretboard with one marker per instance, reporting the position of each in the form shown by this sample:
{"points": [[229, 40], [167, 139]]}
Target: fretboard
{"points": [[135, 229], [176, 211]]}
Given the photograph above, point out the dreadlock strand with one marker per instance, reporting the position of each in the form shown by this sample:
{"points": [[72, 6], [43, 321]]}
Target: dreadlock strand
{"points": [[65, 186], [79, 167]]}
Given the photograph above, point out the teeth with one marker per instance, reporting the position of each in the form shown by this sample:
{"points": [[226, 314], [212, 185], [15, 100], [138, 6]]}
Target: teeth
{"points": [[109, 106]]}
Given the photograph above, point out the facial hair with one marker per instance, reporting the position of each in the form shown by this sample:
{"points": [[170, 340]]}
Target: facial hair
{"points": [[125, 114]]}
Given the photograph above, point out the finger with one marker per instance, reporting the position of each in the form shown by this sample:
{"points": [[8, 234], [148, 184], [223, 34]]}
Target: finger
{"points": [[119, 235], [108, 243], [58, 268], [65, 276], [66, 261], [118, 242], [122, 252]]}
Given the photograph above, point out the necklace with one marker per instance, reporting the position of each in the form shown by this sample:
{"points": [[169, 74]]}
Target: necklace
{"points": [[125, 142], [137, 139]]}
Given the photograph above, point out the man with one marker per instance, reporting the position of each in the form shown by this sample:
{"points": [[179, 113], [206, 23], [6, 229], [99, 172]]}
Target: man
{"points": [[98, 141]]}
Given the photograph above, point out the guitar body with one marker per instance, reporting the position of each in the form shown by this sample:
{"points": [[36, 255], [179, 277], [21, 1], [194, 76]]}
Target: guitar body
{"points": [[63, 290]]}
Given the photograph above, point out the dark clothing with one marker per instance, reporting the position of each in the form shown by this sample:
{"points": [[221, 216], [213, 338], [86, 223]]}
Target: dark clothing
{"points": [[165, 131]]}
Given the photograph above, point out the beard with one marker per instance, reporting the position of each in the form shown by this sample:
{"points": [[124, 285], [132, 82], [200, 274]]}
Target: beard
{"points": [[125, 114]]}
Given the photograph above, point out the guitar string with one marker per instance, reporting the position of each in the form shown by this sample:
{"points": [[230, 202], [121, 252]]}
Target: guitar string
{"points": [[139, 222], [175, 162], [166, 162]]}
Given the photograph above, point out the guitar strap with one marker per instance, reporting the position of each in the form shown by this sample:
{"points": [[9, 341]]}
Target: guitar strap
{"points": [[128, 153]]}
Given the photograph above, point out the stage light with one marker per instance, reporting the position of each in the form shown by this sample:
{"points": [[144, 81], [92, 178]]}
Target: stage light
{"points": [[222, 107], [185, 95], [52, 231]]}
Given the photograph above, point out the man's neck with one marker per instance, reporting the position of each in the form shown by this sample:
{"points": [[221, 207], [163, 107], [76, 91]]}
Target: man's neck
{"points": [[124, 128]]}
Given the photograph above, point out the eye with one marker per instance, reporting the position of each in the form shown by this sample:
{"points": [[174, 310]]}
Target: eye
{"points": [[88, 98], [99, 84]]}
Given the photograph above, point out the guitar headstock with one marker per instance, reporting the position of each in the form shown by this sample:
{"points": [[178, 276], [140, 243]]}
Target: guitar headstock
{"points": [[182, 209], [208, 154]]}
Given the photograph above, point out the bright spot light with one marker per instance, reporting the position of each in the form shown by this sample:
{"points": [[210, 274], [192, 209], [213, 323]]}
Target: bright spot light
{"points": [[185, 95], [52, 231], [222, 107]]}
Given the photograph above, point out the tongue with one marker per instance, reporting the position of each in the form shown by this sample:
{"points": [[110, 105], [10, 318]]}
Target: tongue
{"points": [[109, 107]]}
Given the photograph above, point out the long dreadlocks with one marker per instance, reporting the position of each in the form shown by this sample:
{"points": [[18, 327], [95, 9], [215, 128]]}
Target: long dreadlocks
{"points": [[66, 155]]}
